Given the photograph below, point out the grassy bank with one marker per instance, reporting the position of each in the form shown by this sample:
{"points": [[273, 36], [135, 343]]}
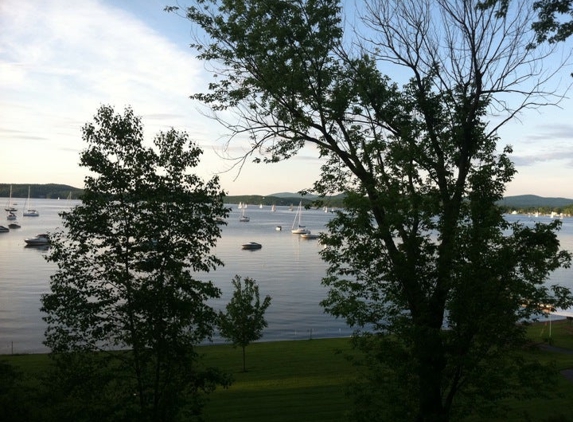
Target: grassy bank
{"points": [[285, 381], [305, 380]]}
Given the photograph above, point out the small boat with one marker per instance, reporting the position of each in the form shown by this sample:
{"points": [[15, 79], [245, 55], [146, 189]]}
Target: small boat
{"points": [[4, 229], [31, 213], [273, 208], [278, 228], [14, 225], [252, 246], [309, 236], [39, 240], [11, 216]]}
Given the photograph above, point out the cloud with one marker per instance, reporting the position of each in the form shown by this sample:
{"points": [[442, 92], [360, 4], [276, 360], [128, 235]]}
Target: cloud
{"points": [[566, 157], [558, 131], [61, 60]]}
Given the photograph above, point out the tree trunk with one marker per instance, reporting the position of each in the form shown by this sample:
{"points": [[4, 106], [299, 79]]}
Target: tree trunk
{"points": [[431, 364], [244, 360]]}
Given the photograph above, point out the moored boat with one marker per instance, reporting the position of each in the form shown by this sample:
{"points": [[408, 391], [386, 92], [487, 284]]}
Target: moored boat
{"points": [[14, 225], [10, 207], [297, 227], [309, 236], [252, 245], [39, 240], [30, 212], [4, 229], [244, 218]]}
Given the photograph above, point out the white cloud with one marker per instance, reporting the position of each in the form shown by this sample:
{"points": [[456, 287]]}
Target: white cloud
{"points": [[59, 61]]}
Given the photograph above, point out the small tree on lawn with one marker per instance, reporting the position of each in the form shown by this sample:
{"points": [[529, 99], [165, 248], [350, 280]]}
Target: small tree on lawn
{"points": [[244, 321]]}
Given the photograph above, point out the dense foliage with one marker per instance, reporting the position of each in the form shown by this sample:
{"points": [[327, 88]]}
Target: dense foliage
{"points": [[421, 245], [124, 310], [554, 21]]}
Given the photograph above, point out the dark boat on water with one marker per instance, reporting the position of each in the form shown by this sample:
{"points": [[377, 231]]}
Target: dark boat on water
{"points": [[252, 246]]}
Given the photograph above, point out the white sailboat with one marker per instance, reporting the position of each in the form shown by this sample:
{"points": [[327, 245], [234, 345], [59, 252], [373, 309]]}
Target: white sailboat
{"points": [[28, 211], [244, 218], [273, 208], [297, 227], [10, 207]]}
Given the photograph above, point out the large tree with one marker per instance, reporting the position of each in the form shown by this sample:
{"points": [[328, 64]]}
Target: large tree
{"points": [[124, 309], [421, 255]]}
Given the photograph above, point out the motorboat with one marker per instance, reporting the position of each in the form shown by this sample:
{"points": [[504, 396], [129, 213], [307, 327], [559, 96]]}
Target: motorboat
{"points": [[278, 228], [39, 240], [252, 246], [4, 229], [309, 236], [14, 225]]}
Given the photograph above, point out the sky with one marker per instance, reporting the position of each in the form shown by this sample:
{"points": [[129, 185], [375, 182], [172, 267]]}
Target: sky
{"points": [[60, 61]]}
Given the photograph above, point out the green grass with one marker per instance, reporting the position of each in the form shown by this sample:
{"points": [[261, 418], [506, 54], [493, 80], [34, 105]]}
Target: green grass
{"points": [[306, 380], [285, 381]]}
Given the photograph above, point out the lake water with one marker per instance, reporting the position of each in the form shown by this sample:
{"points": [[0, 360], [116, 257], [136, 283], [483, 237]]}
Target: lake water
{"points": [[287, 268]]}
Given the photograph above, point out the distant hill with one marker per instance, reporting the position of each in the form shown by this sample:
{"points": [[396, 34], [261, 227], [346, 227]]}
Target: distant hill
{"points": [[50, 191], [53, 191], [292, 195], [534, 201], [513, 202]]}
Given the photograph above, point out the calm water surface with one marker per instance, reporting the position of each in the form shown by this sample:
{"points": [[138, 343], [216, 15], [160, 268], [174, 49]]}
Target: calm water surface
{"points": [[287, 268]]}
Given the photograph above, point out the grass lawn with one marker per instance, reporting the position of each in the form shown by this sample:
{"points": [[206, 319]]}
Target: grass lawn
{"points": [[305, 380], [285, 381]]}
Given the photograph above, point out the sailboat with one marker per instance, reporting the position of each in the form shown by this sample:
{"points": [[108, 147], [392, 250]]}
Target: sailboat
{"points": [[28, 211], [297, 228], [273, 208], [69, 199], [10, 207], [244, 218]]}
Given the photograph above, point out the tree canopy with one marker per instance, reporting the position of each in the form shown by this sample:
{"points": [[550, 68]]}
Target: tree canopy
{"points": [[421, 261], [554, 18], [124, 309]]}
